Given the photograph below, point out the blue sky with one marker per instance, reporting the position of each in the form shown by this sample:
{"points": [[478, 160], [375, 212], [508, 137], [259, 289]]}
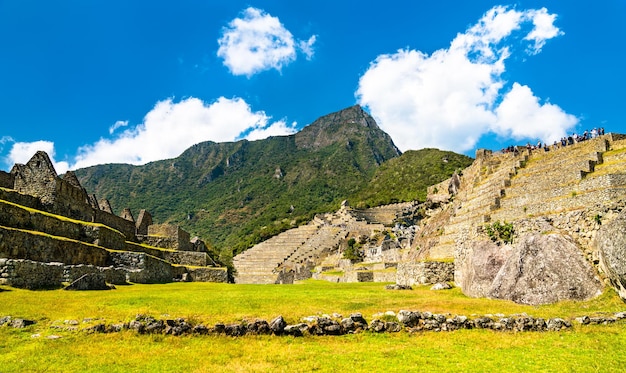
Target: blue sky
{"points": [[94, 82]]}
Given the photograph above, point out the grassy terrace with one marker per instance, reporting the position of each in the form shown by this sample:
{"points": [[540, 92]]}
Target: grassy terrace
{"points": [[583, 348]]}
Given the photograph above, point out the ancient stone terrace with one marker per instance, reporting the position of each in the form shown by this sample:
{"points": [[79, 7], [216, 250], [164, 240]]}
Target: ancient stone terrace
{"points": [[52, 231], [566, 180], [385, 214], [292, 255], [259, 264], [512, 186]]}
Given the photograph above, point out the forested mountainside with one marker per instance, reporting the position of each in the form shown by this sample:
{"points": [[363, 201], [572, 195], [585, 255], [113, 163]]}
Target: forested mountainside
{"points": [[239, 193]]}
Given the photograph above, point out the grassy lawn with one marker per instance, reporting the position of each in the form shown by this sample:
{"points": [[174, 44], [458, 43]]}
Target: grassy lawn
{"points": [[583, 348]]}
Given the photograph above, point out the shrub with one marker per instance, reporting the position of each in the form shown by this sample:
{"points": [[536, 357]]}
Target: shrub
{"points": [[500, 232], [353, 251]]}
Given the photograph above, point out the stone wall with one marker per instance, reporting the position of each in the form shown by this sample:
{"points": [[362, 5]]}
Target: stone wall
{"points": [[112, 275], [28, 274], [71, 201], [15, 216], [125, 226], [417, 273], [21, 199], [18, 244], [169, 236], [207, 274], [143, 268], [6, 180], [188, 258]]}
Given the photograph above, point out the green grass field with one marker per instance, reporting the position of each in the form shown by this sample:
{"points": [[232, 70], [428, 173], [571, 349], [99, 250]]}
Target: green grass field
{"points": [[582, 349]]}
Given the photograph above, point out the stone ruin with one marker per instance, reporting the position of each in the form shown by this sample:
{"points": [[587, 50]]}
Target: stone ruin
{"points": [[53, 232], [566, 209]]}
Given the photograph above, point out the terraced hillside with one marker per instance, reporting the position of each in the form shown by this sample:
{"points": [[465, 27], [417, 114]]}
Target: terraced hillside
{"points": [[291, 255], [514, 186]]}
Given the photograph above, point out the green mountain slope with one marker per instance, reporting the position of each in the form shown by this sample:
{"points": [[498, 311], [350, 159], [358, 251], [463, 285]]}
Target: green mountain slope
{"points": [[236, 194], [406, 178]]}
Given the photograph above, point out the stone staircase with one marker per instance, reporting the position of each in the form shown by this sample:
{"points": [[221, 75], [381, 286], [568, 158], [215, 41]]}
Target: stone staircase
{"points": [[507, 187], [483, 185], [564, 180], [259, 264], [292, 255]]}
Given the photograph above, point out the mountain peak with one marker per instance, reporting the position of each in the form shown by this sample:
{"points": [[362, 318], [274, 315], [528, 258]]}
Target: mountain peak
{"points": [[350, 115], [341, 126]]}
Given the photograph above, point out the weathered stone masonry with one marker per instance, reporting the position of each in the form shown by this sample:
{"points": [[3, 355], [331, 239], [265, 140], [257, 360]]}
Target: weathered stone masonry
{"points": [[52, 232]]}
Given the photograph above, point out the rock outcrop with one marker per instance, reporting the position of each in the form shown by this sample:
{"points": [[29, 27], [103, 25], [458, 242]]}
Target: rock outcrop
{"points": [[477, 266], [543, 269], [610, 242]]}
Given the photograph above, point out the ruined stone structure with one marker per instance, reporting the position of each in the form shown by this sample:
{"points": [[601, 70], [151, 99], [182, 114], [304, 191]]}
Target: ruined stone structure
{"points": [[555, 202], [564, 208], [319, 245], [53, 232]]}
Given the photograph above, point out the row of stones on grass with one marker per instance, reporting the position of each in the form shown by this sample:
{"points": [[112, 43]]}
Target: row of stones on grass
{"points": [[411, 321]]}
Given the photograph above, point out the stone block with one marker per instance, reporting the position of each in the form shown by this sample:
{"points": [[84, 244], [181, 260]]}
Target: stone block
{"points": [[208, 274], [143, 268], [28, 274]]}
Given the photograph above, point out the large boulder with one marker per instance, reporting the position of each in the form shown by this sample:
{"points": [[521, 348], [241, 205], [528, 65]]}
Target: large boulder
{"points": [[610, 243], [478, 266], [536, 269], [545, 268]]}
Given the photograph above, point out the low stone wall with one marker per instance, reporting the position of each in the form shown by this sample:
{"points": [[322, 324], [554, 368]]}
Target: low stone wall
{"points": [[143, 268], [188, 258], [15, 216], [127, 227], [20, 199], [405, 321], [19, 244], [416, 273], [6, 180], [112, 275], [28, 274], [208, 274]]}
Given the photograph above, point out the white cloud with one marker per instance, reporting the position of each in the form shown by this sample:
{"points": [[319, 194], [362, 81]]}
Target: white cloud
{"points": [[450, 98], [22, 152], [543, 30], [171, 127], [307, 47], [276, 129], [257, 42], [116, 125], [520, 115]]}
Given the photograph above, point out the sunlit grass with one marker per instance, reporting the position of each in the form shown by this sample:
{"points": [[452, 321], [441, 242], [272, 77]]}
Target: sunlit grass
{"points": [[215, 302], [584, 348]]}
